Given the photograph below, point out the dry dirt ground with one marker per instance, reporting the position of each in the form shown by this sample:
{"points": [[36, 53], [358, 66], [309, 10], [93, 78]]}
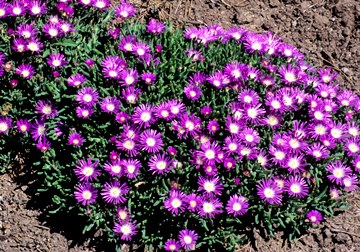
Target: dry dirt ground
{"points": [[327, 31]]}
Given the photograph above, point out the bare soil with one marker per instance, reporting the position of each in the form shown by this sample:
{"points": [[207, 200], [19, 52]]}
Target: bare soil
{"points": [[327, 31]]}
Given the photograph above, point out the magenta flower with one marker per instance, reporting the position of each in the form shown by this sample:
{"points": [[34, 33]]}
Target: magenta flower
{"points": [[25, 70], [210, 185], [86, 170], [268, 191], [5, 124], [110, 105], [128, 145], [26, 31], [237, 205], [125, 10], [296, 187], [159, 164], [151, 141], [148, 78], [87, 96], [43, 144], [188, 239], [143, 115], [19, 45], [126, 230], [131, 167], [76, 80], [350, 183], [17, 8], [34, 45], [75, 139], [101, 4], [85, 194], [193, 202], [38, 129], [130, 94], [172, 245], [56, 60], [84, 112], [114, 168], [175, 202], [314, 216], [23, 125], [4, 9], [122, 117], [141, 49], [193, 92], [209, 207], [36, 8], [338, 171], [127, 43], [209, 153], [46, 109], [52, 30], [218, 80], [114, 192], [155, 27]]}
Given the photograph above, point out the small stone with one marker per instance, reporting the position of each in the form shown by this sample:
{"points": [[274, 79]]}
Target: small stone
{"points": [[274, 3], [346, 32]]}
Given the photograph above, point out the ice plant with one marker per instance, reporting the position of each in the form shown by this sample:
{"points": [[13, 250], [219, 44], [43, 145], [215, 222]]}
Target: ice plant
{"points": [[172, 138]]}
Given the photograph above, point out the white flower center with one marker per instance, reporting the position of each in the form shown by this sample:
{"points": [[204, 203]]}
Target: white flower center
{"points": [[236, 206], [269, 193], [210, 154], [87, 195], [176, 203], [150, 142], [88, 171]]}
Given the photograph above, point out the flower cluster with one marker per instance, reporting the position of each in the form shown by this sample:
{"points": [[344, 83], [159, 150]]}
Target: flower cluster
{"points": [[200, 130]]}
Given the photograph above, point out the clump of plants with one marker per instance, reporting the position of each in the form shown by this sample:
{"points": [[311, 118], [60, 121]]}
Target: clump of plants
{"points": [[173, 139]]}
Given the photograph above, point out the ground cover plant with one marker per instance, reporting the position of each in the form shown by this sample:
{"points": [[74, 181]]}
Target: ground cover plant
{"points": [[200, 134]]}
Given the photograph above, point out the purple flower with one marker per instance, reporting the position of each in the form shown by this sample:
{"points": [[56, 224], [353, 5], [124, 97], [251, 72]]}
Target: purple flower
{"points": [[126, 230], [314, 216], [87, 96], [297, 187], [175, 202], [76, 80], [86, 170], [75, 139], [327, 75], [213, 126], [46, 109], [34, 45], [131, 167], [56, 60], [209, 153], [128, 77], [5, 124], [52, 30], [151, 141], [209, 207], [114, 168], [172, 245], [4, 9], [123, 214], [218, 79], [159, 164], [192, 92], [206, 110], [26, 31], [127, 145], [268, 191], [237, 205], [19, 44], [89, 62], [155, 27], [101, 4], [190, 124], [141, 49], [188, 239], [38, 129], [110, 105], [255, 42], [114, 32], [121, 117], [114, 192], [17, 8], [143, 115], [125, 10], [36, 8], [25, 70], [338, 172], [43, 144], [85, 194], [350, 183], [149, 78], [352, 146], [23, 125], [210, 185], [84, 112], [127, 43], [85, 2]]}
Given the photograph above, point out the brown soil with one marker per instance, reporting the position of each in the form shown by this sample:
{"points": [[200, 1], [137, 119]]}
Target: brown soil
{"points": [[327, 31]]}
